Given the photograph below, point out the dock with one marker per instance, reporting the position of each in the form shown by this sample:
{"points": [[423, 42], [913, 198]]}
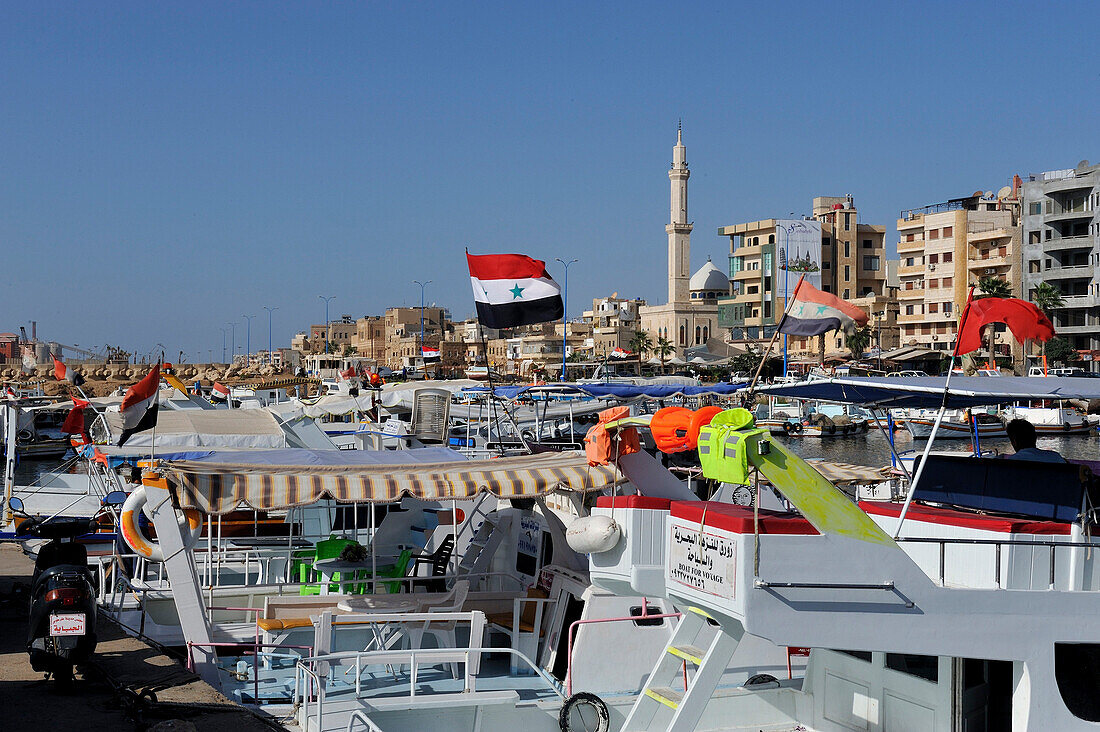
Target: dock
{"points": [[128, 685]]}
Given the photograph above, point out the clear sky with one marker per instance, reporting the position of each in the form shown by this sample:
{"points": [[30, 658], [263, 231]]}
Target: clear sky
{"points": [[166, 168]]}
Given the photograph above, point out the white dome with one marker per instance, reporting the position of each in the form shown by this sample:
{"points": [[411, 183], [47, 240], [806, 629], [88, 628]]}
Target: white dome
{"points": [[709, 277]]}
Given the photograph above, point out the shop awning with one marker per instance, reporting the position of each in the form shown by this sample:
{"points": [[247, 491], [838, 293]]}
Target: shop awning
{"points": [[264, 480]]}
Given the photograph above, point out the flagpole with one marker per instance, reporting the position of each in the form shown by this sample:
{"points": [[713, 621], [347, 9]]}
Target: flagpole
{"points": [[153, 437], [775, 335], [939, 417]]}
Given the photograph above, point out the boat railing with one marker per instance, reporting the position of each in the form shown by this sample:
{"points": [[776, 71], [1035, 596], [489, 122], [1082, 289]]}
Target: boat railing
{"points": [[311, 673], [360, 716], [645, 615], [999, 558], [257, 654]]}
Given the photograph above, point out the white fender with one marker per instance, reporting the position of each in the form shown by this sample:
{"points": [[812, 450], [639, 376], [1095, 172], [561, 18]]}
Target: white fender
{"points": [[190, 521], [593, 534]]}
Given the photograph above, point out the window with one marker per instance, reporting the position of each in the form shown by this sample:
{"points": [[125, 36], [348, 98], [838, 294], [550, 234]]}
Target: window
{"points": [[933, 283], [867, 244], [694, 295], [847, 249], [908, 309], [947, 230], [910, 261], [947, 257], [826, 264], [933, 233], [847, 273], [847, 294], [771, 238], [947, 282], [933, 259], [925, 667], [909, 237], [933, 307], [847, 221], [910, 330], [947, 308], [698, 333], [683, 336], [1049, 206], [1034, 237], [870, 263], [1035, 208]]}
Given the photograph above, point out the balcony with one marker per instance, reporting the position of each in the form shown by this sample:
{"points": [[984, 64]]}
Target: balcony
{"points": [[975, 263], [747, 275], [1080, 271], [974, 237], [1080, 301], [911, 294], [909, 246], [911, 269], [1080, 213], [904, 319], [1069, 242]]}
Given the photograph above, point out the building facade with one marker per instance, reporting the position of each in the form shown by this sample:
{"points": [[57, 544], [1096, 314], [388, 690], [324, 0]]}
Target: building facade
{"points": [[1061, 245], [946, 248], [613, 321], [684, 322]]}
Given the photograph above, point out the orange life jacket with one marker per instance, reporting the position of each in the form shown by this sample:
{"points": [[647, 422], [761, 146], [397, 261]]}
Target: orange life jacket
{"points": [[676, 429], [601, 446]]}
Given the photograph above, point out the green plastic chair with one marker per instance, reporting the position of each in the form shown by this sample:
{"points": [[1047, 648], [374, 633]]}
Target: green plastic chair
{"points": [[397, 570], [301, 565], [330, 548]]}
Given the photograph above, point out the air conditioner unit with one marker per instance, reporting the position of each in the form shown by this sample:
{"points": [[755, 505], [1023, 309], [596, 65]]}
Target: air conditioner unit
{"points": [[990, 270], [931, 268]]}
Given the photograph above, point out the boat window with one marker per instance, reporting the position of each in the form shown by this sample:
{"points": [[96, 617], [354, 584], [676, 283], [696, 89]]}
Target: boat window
{"points": [[574, 610], [636, 612], [1077, 672], [925, 667], [861, 655]]}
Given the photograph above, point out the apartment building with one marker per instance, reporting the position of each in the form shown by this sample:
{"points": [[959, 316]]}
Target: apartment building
{"points": [[832, 247], [946, 248], [1061, 245], [614, 320]]}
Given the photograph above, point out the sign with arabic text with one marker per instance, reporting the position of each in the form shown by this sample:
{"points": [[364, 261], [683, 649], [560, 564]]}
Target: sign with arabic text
{"points": [[704, 561]]}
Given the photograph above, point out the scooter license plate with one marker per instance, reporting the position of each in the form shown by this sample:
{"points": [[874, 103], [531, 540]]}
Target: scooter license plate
{"points": [[67, 624]]}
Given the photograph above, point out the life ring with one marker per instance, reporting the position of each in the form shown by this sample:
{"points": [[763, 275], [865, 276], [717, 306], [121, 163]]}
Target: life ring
{"points": [[1067, 426], [190, 520], [788, 427], [584, 699]]}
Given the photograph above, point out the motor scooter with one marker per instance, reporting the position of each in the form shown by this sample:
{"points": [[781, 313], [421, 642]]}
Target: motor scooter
{"points": [[61, 628]]}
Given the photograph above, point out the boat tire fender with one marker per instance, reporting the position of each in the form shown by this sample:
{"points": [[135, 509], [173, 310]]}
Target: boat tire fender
{"points": [[830, 429], [798, 427], [788, 427], [586, 699], [134, 536], [1066, 426]]}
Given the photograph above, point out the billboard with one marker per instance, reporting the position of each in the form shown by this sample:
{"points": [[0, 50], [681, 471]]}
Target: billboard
{"points": [[798, 249]]}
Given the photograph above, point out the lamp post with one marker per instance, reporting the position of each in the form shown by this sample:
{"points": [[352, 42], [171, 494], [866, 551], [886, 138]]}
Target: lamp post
{"points": [[248, 336], [269, 312], [224, 331], [564, 311], [326, 299], [422, 286], [232, 341]]}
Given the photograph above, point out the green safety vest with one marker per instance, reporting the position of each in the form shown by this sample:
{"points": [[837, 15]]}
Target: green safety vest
{"points": [[724, 446]]}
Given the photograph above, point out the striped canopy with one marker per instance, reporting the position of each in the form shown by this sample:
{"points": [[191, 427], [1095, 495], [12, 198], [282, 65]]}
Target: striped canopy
{"points": [[217, 488]]}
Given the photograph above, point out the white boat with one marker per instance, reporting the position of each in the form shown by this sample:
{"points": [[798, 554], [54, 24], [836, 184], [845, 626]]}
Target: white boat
{"points": [[955, 424], [1058, 420]]}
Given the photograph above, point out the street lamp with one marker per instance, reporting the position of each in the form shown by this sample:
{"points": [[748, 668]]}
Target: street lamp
{"points": [[326, 299], [224, 331], [232, 340], [422, 286], [248, 336], [564, 311], [269, 312]]}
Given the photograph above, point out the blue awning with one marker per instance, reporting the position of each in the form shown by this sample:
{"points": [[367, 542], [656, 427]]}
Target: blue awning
{"points": [[927, 391], [621, 392]]}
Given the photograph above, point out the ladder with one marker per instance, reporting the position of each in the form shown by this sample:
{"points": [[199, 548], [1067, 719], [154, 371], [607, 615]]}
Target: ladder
{"points": [[483, 546], [699, 642]]}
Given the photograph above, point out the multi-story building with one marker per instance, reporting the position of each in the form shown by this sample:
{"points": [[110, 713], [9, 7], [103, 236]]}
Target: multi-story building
{"points": [[370, 337], [944, 249], [1061, 245], [338, 333], [848, 258], [613, 320]]}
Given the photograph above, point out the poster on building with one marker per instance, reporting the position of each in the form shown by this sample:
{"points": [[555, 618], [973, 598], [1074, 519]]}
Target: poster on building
{"points": [[703, 561], [798, 248]]}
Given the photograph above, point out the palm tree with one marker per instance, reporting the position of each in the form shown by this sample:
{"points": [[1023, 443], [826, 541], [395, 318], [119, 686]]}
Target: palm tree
{"points": [[993, 286], [663, 348], [1047, 298], [641, 344], [857, 340]]}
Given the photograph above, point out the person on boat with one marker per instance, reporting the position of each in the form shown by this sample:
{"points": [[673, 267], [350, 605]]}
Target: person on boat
{"points": [[1021, 434]]}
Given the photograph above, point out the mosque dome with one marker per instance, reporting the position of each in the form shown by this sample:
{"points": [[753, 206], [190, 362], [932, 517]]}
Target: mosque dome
{"points": [[709, 278]]}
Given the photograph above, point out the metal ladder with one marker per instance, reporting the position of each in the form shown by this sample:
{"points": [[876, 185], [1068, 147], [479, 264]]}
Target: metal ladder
{"points": [[483, 546], [697, 641]]}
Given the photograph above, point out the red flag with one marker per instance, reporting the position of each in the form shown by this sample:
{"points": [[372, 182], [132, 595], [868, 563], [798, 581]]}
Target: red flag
{"points": [[61, 372], [348, 374], [1023, 318], [219, 392], [74, 421], [139, 406]]}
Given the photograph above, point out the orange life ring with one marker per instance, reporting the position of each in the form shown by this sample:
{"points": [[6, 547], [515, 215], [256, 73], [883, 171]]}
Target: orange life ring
{"points": [[132, 533]]}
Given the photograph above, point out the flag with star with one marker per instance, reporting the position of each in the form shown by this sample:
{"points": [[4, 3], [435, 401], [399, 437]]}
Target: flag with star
{"points": [[813, 312], [512, 290]]}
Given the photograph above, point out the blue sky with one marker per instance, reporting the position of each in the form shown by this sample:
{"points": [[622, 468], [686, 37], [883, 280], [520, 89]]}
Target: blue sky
{"points": [[166, 168]]}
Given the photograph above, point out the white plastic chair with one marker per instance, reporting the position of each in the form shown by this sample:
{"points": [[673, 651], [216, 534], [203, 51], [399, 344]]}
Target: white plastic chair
{"points": [[443, 631]]}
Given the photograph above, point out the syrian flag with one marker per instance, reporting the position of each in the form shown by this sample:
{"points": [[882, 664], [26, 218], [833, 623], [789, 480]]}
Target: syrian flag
{"points": [[62, 372], [620, 353], [74, 421], [431, 355], [139, 407], [813, 312], [512, 290], [219, 393], [10, 394], [348, 374]]}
